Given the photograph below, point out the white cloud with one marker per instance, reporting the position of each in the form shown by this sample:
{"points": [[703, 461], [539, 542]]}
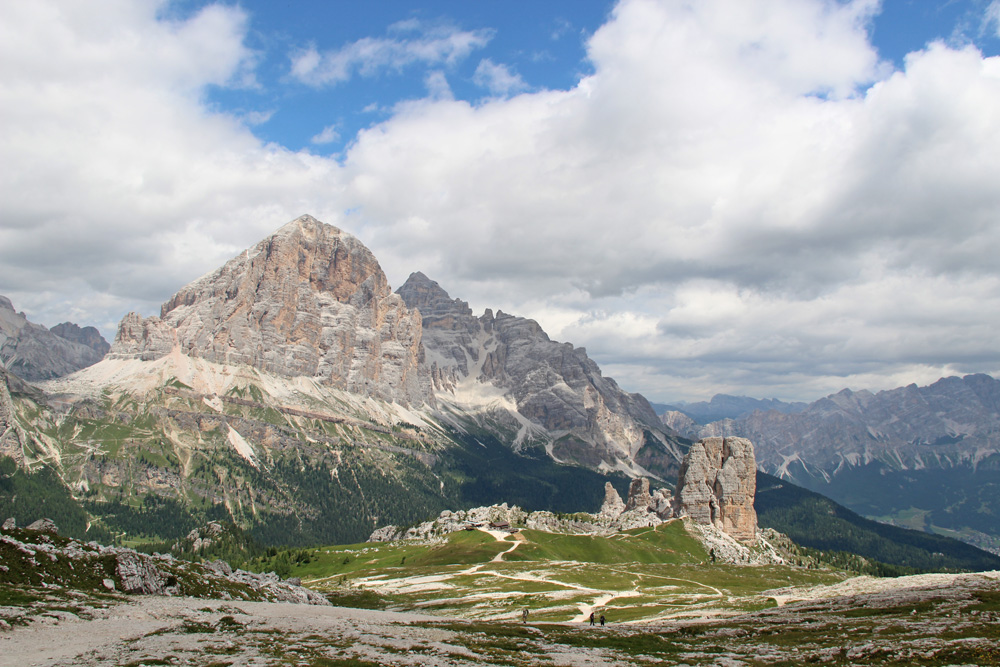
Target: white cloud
{"points": [[498, 79], [433, 45], [992, 17], [740, 198], [328, 135]]}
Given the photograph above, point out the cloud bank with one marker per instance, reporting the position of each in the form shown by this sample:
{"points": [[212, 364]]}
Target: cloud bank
{"points": [[741, 198]]}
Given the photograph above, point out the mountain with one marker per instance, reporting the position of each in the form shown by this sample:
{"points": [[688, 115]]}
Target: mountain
{"points": [[35, 353], [504, 373], [724, 406], [88, 336], [308, 301], [292, 392], [923, 457]]}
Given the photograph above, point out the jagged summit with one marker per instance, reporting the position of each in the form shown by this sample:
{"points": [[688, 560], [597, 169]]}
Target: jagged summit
{"points": [[35, 353], [309, 300], [505, 369]]}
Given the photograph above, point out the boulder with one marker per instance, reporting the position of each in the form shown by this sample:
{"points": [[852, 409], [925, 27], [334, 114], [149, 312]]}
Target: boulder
{"points": [[138, 574], [43, 526]]}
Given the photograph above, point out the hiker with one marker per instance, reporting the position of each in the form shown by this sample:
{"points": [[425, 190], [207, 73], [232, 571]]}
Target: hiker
{"points": [[711, 555], [524, 615], [602, 620], [591, 619]]}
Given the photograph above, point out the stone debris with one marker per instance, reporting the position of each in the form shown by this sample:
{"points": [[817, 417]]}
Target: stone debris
{"points": [[158, 574]]}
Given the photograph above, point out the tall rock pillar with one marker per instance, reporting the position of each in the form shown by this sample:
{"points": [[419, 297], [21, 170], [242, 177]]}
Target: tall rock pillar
{"points": [[716, 486]]}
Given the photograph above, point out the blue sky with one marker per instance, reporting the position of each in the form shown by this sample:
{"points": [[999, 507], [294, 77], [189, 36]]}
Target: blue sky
{"points": [[778, 198], [542, 44]]}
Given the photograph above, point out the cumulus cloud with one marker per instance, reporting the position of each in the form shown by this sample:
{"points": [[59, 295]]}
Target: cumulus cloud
{"points": [[498, 78], [409, 42], [740, 198], [328, 135], [120, 185]]}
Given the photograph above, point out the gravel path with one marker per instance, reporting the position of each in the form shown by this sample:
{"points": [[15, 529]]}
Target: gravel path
{"points": [[157, 626]]}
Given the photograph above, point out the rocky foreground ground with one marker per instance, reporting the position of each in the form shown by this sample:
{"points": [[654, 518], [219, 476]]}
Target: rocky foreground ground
{"points": [[923, 620]]}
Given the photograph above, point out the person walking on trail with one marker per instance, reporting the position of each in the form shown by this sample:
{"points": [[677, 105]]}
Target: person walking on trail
{"points": [[591, 619], [602, 620], [524, 615]]}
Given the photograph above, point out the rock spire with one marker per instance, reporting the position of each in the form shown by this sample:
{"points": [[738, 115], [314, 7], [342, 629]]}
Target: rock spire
{"points": [[716, 486]]}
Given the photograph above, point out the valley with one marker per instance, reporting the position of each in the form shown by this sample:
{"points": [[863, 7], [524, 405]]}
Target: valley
{"points": [[458, 601]]}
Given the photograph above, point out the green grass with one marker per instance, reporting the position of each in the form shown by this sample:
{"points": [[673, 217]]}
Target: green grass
{"points": [[666, 543]]}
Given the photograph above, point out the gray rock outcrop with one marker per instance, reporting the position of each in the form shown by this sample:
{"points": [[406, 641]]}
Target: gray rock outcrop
{"points": [[88, 336], [638, 494], [12, 438], [716, 486], [310, 300], [613, 504], [34, 353], [559, 394]]}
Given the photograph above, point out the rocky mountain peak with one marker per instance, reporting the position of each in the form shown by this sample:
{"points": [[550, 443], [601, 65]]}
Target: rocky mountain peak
{"points": [[503, 363], [309, 300], [88, 336], [434, 303], [35, 353]]}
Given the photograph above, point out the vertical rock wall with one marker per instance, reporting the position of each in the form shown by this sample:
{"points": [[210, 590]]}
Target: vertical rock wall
{"points": [[716, 486]]}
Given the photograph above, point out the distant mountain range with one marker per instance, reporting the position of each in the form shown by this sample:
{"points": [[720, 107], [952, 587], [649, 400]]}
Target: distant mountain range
{"points": [[723, 406], [921, 457], [35, 353]]}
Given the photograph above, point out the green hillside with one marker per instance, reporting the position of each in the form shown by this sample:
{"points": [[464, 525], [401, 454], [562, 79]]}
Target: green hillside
{"points": [[640, 574], [817, 522]]}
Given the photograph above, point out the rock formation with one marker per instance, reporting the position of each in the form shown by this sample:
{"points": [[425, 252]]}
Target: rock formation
{"points": [[638, 494], [483, 364], [716, 486], [613, 505], [88, 336], [12, 439], [32, 550], [34, 353], [310, 301]]}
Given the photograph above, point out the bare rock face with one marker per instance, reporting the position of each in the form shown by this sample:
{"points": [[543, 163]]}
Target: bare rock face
{"points": [[309, 300], [480, 362], [34, 353], [716, 486], [88, 336], [12, 439], [612, 506], [638, 494], [138, 574]]}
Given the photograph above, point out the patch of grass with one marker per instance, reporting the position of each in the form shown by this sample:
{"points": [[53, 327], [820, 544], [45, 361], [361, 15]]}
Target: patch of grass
{"points": [[197, 627], [358, 599]]}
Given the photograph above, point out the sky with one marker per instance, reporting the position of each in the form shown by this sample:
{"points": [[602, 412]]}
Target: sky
{"points": [[780, 198]]}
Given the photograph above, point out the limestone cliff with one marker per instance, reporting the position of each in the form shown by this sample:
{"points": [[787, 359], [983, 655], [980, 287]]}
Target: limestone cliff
{"points": [[310, 301], [716, 486], [11, 438], [35, 353], [507, 368]]}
